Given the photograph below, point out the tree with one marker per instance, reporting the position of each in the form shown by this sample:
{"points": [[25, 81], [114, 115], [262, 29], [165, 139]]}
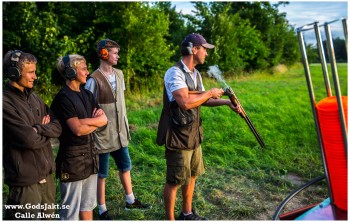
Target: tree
{"points": [[237, 44], [266, 38], [37, 29], [141, 30], [177, 28]]}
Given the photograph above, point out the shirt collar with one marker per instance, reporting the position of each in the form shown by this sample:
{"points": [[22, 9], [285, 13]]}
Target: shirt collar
{"points": [[187, 69]]}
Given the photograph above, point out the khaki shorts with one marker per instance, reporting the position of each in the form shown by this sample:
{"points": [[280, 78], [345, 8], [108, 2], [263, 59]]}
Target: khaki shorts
{"points": [[183, 164]]}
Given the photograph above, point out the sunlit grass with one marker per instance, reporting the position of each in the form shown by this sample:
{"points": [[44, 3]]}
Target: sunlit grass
{"points": [[242, 180]]}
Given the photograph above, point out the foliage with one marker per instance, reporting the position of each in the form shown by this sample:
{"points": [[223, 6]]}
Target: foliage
{"points": [[141, 30], [237, 43], [177, 27], [338, 47], [257, 36], [36, 29], [248, 36]]}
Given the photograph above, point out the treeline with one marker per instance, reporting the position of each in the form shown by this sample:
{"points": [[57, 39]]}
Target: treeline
{"points": [[247, 35], [339, 48]]}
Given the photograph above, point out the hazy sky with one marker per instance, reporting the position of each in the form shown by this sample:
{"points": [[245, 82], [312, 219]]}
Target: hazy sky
{"points": [[300, 13]]}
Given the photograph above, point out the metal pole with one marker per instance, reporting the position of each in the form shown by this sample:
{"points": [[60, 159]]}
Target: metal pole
{"points": [[345, 28], [323, 59], [336, 85], [314, 111]]}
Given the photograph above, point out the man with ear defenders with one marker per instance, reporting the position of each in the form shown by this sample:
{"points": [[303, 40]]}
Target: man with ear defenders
{"points": [[28, 125], [107, 85], [180, 125], [77, 159]]}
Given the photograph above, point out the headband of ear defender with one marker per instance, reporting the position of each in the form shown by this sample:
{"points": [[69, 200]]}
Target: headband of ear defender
{"points": [[69, 72], [103, 53], [14, 72]]}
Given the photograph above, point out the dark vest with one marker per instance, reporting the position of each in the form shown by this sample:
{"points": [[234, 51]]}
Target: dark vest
{"points": [[178, 128], [106, 96], [77, 162]]}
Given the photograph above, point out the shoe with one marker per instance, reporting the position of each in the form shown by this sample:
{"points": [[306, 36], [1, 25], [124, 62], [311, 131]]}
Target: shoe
{"points": [[192, 216], [104, 216], [137, 205]]}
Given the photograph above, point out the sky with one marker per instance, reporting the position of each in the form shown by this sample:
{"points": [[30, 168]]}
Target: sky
{"points": [[300, 13]]}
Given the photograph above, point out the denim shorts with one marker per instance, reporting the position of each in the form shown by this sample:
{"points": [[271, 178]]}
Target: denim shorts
{"points": [[121, 158]]}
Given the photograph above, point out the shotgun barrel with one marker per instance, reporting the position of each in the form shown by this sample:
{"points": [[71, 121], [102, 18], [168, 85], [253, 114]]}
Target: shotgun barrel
{"points": [[234, 100]]}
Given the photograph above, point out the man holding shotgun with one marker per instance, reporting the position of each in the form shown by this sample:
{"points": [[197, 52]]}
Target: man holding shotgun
{"points": [[180, 126]]}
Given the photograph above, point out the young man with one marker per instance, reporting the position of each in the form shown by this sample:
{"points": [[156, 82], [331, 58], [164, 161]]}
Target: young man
{"points": [[107, 85], [77, 159], [27, 152], [180, 127]]}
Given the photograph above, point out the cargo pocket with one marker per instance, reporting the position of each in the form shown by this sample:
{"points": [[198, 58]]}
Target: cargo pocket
{"points": [[180, 136], [176, 171], [73, 165]]}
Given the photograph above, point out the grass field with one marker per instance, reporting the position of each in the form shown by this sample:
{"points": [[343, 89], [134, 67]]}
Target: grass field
{"points": [[242, 180]]}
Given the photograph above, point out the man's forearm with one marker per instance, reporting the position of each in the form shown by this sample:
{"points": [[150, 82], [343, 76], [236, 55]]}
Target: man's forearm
{"points": [[216, 102]]}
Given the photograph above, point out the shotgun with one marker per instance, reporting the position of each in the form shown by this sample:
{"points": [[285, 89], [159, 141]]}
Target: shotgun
{"points": [[234, 100]]}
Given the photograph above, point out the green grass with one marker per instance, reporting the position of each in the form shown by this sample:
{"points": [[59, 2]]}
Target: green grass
{"points": [[242, 181]]}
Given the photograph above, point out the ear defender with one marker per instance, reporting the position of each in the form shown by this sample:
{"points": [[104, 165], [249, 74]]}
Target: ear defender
{"points": [[14, 72], [103, 53], [69, 72], [189, 48]]}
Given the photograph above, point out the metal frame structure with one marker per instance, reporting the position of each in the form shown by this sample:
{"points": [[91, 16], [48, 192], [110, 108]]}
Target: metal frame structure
{"points": [[332, 60]]}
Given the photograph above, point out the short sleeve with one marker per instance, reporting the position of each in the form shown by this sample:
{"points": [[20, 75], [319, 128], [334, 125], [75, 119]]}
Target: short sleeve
{"points": [[63, 107], [174, 80]]}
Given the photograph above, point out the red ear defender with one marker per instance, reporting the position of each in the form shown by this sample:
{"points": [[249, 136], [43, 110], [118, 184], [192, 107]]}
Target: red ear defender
{"points": [[103, 53]]}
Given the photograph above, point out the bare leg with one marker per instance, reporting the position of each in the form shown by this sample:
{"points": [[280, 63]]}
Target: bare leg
{"points": [[187, 195], [125, 178], [85, 215], [101, 189], [169, 200]]}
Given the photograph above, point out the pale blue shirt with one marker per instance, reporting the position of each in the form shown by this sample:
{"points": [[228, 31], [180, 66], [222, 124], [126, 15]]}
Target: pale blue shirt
{"points": [[175, 79]]}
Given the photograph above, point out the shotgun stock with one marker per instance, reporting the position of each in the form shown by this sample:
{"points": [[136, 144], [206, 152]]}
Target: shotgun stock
{"points": [[234, 100]]}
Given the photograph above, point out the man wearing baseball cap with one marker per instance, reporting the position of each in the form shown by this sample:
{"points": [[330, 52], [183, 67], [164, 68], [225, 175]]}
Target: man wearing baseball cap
{"points": [[180, 125]]}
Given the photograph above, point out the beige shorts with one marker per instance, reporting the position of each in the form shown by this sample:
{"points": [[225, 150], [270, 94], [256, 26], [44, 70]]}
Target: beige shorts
{"points": [[183, 164]]}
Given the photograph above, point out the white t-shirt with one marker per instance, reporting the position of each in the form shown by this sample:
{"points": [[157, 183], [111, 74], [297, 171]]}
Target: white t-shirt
{"points": [[175, 79]]}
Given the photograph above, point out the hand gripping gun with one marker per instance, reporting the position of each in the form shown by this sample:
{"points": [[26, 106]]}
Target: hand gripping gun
{"points": [[234, 100]]}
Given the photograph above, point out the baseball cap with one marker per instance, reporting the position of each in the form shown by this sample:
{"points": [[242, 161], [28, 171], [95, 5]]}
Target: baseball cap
{"points": [[197, 40]]}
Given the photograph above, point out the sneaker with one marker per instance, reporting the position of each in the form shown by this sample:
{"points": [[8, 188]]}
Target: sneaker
{"points": [[137, 205], [104, 216], [192, 216]]}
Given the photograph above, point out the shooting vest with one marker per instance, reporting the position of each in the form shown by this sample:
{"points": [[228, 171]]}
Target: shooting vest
{"points": [[79, 160], [178, 128], [116, 134]]}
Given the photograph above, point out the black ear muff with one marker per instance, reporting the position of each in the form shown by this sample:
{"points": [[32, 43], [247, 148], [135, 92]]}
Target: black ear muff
{"points": [[14, 72], [189, 48], [69, 72], [103, 53]]}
